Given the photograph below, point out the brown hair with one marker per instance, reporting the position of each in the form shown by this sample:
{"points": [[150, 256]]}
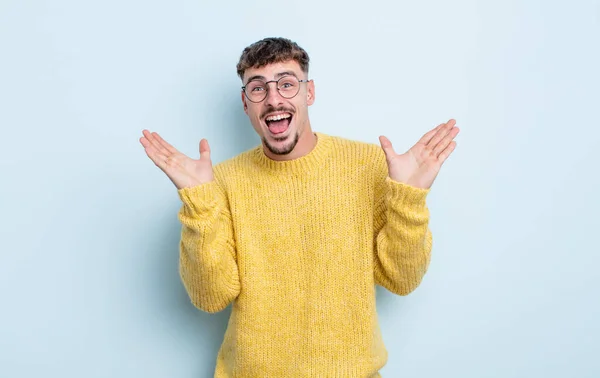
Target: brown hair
{"points": [[271, 50]]}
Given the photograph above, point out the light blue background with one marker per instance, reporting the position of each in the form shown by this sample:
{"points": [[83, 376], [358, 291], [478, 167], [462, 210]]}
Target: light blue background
{"points": [[89, 247]]}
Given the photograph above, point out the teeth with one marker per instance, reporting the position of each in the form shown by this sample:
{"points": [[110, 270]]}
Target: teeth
{"points": [[278, 117]]}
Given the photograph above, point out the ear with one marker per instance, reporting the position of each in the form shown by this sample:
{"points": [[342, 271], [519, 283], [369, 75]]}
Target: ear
{"points": [[244, 103], [310, 92]]}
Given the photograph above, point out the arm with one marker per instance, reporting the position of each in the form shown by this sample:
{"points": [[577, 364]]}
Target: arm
{"points": [[402, 237], [207, 259], [207, 262]]}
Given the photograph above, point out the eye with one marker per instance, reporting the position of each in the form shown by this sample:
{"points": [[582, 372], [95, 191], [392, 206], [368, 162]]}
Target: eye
{"points": [[287, 83], [256, 86]]}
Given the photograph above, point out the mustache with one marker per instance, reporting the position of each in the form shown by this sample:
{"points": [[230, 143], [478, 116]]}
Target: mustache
{"points": [[280, 109]]}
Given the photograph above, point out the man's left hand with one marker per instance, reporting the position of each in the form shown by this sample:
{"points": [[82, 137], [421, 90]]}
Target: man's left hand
{"points": [[420, 165]]}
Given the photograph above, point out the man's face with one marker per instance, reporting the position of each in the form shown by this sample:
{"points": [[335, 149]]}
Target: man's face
{"points": [[280, 122]]}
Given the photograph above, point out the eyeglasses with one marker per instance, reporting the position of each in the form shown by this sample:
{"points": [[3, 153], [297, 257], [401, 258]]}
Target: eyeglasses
{"points": [[287, 86]]}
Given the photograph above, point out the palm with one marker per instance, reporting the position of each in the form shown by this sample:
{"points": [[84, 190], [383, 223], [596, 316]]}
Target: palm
{"points": [[414, 167], [187, 172], [420, 165], [182, 170]]}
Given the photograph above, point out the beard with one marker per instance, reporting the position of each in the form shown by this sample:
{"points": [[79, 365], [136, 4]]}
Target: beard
{"points": [[285, 149]]}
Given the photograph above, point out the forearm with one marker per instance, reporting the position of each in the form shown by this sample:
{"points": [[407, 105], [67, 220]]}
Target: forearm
{"points": [[404, 241], [207, 262]]}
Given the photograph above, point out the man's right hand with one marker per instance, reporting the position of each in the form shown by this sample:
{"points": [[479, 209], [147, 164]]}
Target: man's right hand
{"points": [[183, 171]]}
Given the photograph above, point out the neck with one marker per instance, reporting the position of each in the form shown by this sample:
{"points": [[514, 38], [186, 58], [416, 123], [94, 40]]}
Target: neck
{"points": [[306, 142]]}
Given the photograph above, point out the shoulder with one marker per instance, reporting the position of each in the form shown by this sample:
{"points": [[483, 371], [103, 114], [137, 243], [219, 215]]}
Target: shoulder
{"points": [[363, 152], [362, 158], [235, 167], [237, 161]]}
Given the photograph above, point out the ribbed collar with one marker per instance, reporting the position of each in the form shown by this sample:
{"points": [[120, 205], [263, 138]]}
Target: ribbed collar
{"points": [[304, 164]]}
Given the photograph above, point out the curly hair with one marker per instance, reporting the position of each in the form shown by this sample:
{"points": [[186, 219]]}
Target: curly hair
{"points": [[271, 50]]}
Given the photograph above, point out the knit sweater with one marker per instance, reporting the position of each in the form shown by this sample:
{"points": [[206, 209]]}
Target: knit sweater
{"points": [[298, 246]]}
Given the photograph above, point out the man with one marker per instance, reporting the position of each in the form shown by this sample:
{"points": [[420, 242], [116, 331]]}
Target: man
{"points": [[298, 231]]}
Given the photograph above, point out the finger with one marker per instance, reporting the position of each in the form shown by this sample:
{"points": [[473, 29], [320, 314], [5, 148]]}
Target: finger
{"points": [[159, 159], [204, 150], [153, 142], [446, 141], [440, 134], [387, 147], [427, 137], [166, 145], [447, 151], [158, 145]]}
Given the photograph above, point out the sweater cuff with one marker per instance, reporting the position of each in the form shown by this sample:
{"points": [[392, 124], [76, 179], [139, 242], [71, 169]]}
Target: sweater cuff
{"points": [[198, 199], [411, 197]]}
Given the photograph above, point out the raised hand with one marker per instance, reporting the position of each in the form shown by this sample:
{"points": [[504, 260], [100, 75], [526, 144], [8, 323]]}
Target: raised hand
{"points": [[420, 165], [183, 171]]}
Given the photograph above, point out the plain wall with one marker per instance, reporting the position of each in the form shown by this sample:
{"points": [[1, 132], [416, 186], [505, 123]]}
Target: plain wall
{"points": [[89, 285]]}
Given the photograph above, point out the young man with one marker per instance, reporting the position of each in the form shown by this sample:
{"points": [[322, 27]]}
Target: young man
{"points": [[298, 231]]}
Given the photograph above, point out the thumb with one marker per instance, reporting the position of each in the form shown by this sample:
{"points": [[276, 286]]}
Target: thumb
{"points": [[204, 150], [387, 146]]}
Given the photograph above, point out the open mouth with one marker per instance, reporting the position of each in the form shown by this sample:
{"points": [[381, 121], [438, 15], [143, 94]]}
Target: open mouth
{"points": [[278, 123]]}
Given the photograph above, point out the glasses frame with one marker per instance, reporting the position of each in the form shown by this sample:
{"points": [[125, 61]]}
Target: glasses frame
{"points": [[276, 86]]}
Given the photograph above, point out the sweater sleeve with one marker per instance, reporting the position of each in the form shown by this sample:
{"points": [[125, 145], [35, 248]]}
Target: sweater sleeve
{"points": [[207, 260], [403, 240]]}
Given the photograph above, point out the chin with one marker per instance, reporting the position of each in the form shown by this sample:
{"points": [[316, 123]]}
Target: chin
{"points": [[284, 145]]}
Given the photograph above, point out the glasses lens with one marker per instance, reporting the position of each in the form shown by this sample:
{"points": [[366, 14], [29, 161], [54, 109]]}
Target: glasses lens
{"points": [[256, 90], [288, 86]]}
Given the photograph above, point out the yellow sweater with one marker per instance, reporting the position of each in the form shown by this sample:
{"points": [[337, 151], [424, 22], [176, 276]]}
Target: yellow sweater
{"points": [[298, 247]]}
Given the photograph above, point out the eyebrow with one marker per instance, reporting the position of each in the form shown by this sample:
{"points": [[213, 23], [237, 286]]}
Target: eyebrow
{"points": [[277, 75]]}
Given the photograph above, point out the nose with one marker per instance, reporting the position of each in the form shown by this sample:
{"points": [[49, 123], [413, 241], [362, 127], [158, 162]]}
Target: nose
{"points": [[273, 99]]}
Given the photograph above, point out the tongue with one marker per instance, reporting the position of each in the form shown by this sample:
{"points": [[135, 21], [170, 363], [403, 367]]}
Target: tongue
{"points": [[277, 127]]}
